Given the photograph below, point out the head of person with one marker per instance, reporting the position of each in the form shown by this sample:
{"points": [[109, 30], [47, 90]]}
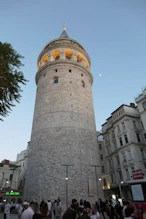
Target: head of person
{"points": [[74, 207], [81, 202], [74, 201], [36, 207], [69, 214], [127, 204], [94, 209], [58, 201], [44, 209], [118, 203]]}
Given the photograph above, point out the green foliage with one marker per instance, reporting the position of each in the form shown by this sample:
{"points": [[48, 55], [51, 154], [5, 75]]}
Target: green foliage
{"points": [[11, 78]]}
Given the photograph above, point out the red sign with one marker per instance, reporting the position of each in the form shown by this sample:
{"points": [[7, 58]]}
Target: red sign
{"points": [[137, 174]]}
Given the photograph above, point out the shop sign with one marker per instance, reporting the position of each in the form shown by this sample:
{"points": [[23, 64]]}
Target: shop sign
{"points": [[12, 193], [137, 174]]}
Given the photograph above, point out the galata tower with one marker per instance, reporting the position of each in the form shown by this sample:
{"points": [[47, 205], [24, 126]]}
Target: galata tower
{"points": [[63, 147]]}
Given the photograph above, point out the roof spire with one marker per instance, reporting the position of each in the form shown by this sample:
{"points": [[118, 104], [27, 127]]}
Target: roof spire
{"points": [[64, 27], [64, 34]]}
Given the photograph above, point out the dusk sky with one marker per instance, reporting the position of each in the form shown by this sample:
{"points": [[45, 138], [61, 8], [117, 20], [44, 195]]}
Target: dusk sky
{"points": [[113, 32]]}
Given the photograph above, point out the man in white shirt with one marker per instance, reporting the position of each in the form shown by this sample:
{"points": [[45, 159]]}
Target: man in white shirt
{"points": [[29, 212], [7, 209], [49, 205]]}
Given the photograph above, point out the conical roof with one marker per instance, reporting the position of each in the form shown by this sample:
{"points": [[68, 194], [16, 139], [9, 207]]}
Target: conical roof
{"points": [[64, 35]]}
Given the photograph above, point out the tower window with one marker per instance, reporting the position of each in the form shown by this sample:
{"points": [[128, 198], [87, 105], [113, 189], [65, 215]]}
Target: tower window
{"points": [[55, 80], [83, 84], [69, 70], [56, 70], [82, 75]]}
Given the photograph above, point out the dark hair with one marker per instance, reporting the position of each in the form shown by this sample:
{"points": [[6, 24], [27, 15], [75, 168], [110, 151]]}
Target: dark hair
{"points": [[44, 209], [74, 201], [69, 214]]}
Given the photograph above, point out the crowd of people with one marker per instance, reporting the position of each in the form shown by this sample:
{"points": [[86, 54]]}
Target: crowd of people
{"points": [[110, 209]]}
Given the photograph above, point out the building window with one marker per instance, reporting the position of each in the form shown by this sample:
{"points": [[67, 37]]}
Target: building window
{"points": [[120, 176], [129, 155], [70, 70], [118, 127], [103, 169], [124, 156], [142, 125], [127, 173], [126, 139], [56, 70], [113, 134], [132, 168], [112, 178], [110, 164], [145, 135], [118, 161], [100, 147], [83, 84], [123, 125], [142, 154], [104, 182], [108, 150], [55, 80], [11, 176], [101, 157], [134, 124], [115, 145], [138, 137], [121, 142]]}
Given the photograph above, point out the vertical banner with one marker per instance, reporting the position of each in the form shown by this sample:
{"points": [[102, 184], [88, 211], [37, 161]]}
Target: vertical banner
{"points": [[91, 187]]}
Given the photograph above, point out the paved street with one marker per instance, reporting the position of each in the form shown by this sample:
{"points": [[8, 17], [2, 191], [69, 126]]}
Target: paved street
{"points": [[12, 216]]}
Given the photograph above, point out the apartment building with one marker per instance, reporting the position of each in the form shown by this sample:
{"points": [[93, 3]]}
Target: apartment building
{"points": [[124, 144]]}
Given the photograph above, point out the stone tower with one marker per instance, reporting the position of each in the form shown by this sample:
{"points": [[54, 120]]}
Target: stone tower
{"points": [[62, 154]]}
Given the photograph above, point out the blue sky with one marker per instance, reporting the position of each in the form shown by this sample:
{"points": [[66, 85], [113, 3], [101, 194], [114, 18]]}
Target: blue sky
{"points": [[113, 32]]}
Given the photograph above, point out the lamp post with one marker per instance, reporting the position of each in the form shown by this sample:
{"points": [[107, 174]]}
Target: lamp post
{"points": [[66, 179], [120, 189]]}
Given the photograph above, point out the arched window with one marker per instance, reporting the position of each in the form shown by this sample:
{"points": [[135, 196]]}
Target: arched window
{"points": [[68, 53], [83, 84], [79, 57], [45, 58], [56, 80], [56, 54]]}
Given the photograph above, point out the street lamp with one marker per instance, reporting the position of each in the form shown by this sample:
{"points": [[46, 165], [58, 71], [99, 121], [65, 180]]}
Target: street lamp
{"points": [[120, 189]]}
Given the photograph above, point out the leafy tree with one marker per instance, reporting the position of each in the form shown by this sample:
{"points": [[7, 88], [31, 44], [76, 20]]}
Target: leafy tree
{"points": [[10, 78]]}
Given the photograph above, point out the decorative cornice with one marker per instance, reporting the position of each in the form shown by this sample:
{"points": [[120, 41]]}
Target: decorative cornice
{"points": [[62, 62]]}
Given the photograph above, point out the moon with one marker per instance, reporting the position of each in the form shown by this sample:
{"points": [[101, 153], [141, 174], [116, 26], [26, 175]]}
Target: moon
{"points": [[100, 75]]}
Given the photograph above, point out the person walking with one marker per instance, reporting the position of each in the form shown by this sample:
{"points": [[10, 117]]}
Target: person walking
{"points": [[29, 212], [58, 210], [7, 210]]}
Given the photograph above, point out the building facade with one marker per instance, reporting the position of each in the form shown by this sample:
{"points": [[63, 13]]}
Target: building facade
{"points": [[22, 161], [141, 105], [104, 175], [9, 176], [63, 157], [124, 148]]}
